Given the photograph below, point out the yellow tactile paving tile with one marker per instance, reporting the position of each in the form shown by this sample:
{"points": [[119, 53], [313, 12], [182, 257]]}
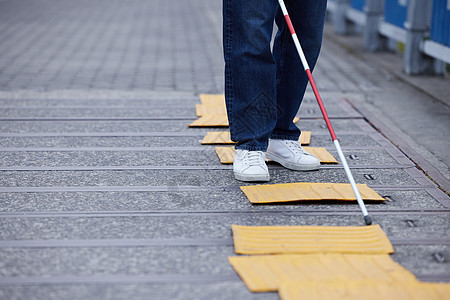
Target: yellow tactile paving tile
{"points": [[203, 110], [322, 154], [218, 100], [307, 191], [223, 137], [310, 239], [267, 272], [211, 121], [217, 137], [212, 99], [305, 137], [226, 154], [363, 290]]}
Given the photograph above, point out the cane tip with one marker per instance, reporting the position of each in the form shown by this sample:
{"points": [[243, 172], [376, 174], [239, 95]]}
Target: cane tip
{"points": [[368, 220]]}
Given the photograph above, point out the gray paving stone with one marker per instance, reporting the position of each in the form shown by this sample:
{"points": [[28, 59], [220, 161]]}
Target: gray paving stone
{"points": [[122, 141], [161, 141], [333, 111], [204, 157], [198, 156], [207, 200], [318, 126], [114, 261], [391, 177], [96, 126], [165, 260], [182, 226], [83, 113], [175, 291], [147, 101], [345, 140], [420, 259], [367, 157], [155, 110]]}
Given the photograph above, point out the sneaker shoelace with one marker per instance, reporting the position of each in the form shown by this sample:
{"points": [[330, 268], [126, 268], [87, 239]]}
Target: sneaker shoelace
{"points": [[295, 147], [254, 158]]}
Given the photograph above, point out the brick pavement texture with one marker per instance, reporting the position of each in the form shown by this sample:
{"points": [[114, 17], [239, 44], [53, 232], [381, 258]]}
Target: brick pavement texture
{"points": [[109, 44], [106, 193]]}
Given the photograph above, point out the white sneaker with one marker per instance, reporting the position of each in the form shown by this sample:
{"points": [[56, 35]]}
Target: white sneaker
{"points": [[250, 166], [291, 155]]}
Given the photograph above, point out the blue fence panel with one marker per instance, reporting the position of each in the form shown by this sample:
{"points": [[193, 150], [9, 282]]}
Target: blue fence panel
{"points": [[440, 22], [395, 12], [358, 4]]}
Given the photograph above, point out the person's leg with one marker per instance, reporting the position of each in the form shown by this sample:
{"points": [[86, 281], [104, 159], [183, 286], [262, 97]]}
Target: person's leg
{"points": [[250, 71], [308, 18]]}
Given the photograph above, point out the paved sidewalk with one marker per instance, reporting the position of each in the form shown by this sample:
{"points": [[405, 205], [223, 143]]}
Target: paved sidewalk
{"points": [[107, 194]]}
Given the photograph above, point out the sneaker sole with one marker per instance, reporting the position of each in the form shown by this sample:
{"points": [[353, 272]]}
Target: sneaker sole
{"points": [[243, 177], [292, 166]]}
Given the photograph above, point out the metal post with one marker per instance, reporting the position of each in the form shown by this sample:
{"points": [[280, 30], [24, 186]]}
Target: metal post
{"points": [[373, 41], [417, 26], [340, 22]]}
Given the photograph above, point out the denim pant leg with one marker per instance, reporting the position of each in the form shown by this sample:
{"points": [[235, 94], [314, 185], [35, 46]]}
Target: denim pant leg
{"points": [[250, 71], [308, 18]]}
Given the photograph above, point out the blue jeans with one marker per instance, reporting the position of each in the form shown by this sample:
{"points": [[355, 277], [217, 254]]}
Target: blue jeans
{"points": [[264, 88]]}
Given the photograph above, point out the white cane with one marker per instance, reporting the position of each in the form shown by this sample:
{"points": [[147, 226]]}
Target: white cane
{"points": [[367, 218]]}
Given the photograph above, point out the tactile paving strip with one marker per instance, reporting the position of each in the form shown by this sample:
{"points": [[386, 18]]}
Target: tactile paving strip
{"points": [[212, 99], [322, 154], [267, 272], [203, 110], [223, 137], [211, 121], [305, 137], [363, 290], [217, 137], [226, 154], [306, 191], [310, 239]]}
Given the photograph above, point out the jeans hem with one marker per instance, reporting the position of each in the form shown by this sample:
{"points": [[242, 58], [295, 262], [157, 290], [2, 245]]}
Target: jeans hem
{"points": [[284, 137], [250, 148]]}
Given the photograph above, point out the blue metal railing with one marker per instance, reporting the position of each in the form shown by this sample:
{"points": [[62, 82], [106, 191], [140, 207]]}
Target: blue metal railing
{"points": [[395, 12], [440, 22], [410, 22], [358, 4]]}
